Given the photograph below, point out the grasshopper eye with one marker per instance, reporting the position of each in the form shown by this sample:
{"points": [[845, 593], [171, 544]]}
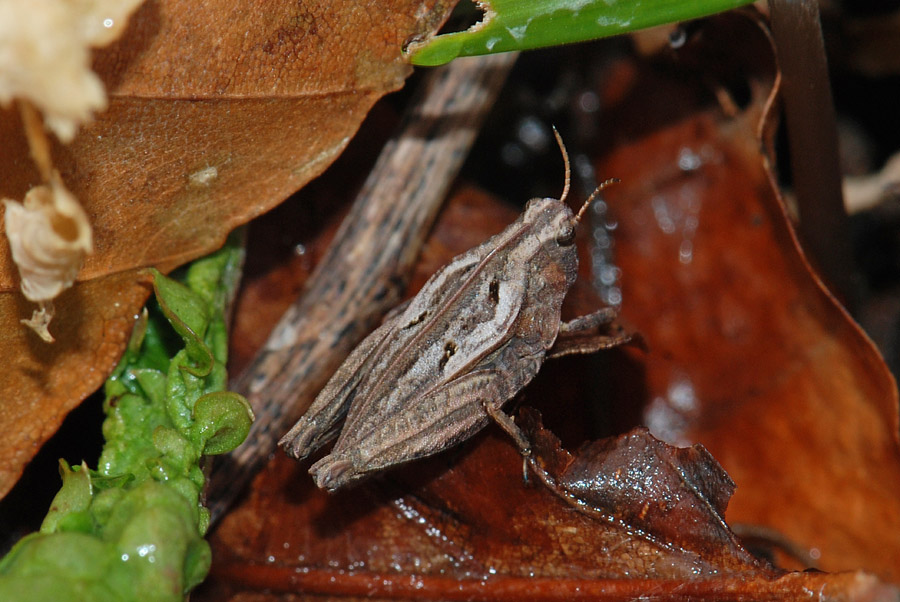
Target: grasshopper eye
{"points": [[566, 235]]}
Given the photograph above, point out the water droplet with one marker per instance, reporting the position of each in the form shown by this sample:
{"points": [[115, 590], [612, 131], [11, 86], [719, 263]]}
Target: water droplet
{"points": [[533, 134], [688, 160], [614, 296], [512, 154], [686, 252], [589, 102]]}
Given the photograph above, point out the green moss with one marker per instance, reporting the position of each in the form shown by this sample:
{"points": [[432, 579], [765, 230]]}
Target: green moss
{"points": [[133, 529]]}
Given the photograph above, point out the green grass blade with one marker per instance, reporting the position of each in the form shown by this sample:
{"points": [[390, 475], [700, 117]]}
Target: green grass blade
{"points": [[524, 24]]}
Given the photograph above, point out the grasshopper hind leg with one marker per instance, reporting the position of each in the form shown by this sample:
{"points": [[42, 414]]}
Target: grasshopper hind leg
{"points": [[529, 460], [506, 422]]}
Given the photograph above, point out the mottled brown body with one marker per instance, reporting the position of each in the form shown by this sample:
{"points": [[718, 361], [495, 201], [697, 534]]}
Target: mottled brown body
{"points": [[442, 366]]}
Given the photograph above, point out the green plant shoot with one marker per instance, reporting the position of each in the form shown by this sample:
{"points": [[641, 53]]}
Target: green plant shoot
{"points": [[133, 528], [525, 24]]}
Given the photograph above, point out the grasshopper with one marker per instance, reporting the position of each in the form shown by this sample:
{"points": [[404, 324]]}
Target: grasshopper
{"points": [[441, 367]]}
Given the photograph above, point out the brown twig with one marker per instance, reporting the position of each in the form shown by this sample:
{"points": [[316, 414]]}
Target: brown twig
{"points": [[38, 143], [366, 268], [812, 134]]}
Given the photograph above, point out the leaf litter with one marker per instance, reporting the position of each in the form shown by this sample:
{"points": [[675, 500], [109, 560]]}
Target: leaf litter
{"points": [[642, 517]]}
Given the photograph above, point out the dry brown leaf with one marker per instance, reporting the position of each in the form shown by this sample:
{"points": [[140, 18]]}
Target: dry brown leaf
{"points": [[217, 112], [84, 352]]}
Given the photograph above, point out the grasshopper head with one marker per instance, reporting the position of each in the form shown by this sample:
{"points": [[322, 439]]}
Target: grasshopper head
{"points": [[552, 218]]}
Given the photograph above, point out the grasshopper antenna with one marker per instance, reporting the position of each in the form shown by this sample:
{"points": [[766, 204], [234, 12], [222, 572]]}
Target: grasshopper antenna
{"points": [[565, 192], [565, 156], [593, 196]]}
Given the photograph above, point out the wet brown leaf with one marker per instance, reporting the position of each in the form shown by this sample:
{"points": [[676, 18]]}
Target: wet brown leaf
{"points": [[675, 496], [463, 525], [748, 353], [468, 527], [678, 495], [218, 111]]}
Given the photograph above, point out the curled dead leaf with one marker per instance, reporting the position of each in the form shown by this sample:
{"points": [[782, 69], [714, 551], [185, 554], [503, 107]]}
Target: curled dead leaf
{"points": [[49, 236], [661, 492]]}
